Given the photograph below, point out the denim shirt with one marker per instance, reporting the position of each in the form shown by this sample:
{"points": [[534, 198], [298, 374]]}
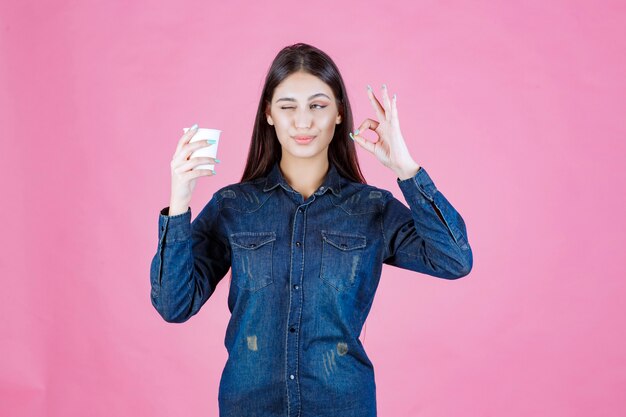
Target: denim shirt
{"points": [[303, 278]]}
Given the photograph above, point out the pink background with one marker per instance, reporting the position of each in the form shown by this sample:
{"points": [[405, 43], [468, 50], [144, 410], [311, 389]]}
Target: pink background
{"points": [[515, 110]]}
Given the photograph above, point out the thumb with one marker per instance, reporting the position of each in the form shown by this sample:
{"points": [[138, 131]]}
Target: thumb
{"points": [[363, 143]]}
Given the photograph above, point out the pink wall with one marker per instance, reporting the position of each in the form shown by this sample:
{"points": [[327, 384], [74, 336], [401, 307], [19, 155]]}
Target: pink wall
{"points": [[517, 112]]}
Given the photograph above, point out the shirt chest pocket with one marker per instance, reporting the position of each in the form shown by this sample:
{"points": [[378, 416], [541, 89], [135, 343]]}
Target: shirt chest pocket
{"points": [[252, 259], [341, 258]]}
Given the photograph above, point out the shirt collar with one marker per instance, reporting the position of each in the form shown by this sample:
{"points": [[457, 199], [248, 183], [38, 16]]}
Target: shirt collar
{"points": [[332, 180]]}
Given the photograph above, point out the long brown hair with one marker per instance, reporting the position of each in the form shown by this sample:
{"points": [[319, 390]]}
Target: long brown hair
{"points": [[265, 148]]}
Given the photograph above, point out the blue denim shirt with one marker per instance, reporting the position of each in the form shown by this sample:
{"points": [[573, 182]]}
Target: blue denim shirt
{"points": [[303, 278]]}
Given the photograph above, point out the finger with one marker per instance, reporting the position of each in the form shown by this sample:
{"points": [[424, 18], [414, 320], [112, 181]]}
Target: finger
{"points": [[368, 124], [189, 148], [363, 143], [394, 110], [186, 137], [194, 162], [386, 103], [380, 112], [197, 173]]}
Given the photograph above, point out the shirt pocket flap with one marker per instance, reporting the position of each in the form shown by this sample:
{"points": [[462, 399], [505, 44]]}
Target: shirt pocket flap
{"points": [[252, 240], [344, 241]]}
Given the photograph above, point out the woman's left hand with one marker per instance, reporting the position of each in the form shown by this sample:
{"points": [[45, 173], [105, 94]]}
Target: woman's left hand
{"points": [[389, 148]]}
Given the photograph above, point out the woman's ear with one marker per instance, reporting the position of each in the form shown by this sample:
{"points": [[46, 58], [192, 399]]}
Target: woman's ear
{"points": [[267, 115]]}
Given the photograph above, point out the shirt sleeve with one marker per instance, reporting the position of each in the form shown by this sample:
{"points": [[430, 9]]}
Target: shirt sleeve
{"points": [[430, 235], [191, 259]]}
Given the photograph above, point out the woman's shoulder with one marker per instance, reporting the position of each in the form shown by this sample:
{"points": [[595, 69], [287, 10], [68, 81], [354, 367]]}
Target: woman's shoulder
{"points": [[231, 190], [242, 196], [370, 191], [357, 197]]}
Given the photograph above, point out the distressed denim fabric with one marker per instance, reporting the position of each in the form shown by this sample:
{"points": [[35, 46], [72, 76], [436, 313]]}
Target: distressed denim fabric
{"points": [[303, 278]]}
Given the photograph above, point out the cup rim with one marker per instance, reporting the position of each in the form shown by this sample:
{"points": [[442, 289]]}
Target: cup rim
{"points": [[204, 128]]}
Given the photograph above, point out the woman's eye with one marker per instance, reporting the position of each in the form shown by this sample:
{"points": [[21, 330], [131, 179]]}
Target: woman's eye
{"points": [[318, 105]]}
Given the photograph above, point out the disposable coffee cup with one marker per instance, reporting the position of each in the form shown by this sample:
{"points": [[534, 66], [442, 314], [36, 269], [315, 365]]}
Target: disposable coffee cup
{"points": [[204, 134]]}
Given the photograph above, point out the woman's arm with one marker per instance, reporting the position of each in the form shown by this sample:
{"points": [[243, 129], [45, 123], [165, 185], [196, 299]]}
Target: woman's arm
{"points": [[428, 237], [191, 259]]}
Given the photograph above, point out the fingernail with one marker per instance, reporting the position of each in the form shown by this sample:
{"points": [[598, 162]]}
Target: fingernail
{"points": [[369, 87], [211, 141], [194, 126], [217, 160], [356, 132], [351, 137], [213, 171]]}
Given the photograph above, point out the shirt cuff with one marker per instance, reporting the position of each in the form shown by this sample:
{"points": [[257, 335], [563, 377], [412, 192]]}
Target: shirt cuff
{"points": [[174, 228], [419, 183]]}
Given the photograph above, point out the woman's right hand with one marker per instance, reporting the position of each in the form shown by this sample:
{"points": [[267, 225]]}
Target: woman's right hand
{"points": [[184, 177]]}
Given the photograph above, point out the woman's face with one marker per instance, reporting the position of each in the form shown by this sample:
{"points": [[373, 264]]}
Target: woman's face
{"points": [[303, 105]]}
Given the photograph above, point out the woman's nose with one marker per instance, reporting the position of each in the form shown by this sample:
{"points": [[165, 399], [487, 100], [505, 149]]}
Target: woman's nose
{"points": [[303, 119]]}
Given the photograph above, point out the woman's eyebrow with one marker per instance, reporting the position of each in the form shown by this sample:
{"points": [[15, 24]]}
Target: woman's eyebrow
{"points": [[310, 98]]}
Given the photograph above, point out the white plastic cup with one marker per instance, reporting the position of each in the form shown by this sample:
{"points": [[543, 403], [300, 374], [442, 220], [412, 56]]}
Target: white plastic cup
{"points": [[204, 134]]}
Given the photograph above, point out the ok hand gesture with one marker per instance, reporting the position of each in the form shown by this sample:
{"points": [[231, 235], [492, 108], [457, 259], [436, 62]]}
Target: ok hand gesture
{"points": [[389, 148]]}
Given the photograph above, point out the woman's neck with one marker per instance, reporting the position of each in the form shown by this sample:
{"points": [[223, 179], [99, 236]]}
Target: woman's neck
{"points": [[304, 175]]}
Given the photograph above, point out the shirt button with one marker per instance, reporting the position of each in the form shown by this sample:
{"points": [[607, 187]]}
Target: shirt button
{"points": [[298, 244], [291, 376], [321, 188], [296, 286], [292, 330], [301, 208]]}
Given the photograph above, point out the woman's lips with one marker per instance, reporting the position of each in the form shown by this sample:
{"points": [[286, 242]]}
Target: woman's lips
{"points": [[303, 139]]}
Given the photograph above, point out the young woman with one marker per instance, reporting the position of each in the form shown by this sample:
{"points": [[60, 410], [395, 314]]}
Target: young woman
{"points": [[305, 238]]}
